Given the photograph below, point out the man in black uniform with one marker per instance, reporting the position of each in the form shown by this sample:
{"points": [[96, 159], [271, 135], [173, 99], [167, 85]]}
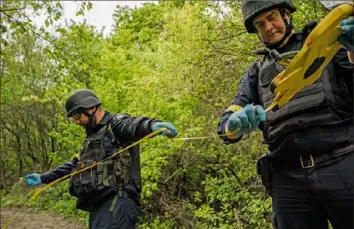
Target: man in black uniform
{"points": [[110, 191], [309, 171]]}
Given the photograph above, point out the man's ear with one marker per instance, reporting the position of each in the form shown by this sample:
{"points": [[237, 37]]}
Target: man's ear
{"points": [[288, 15], [91, 110], [287, 12]]}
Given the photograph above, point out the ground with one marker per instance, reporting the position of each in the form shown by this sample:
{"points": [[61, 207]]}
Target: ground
{"points": [[30, 219]]}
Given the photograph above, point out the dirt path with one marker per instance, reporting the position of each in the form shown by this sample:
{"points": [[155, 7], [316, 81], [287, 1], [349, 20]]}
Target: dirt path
{"points": [[28, 219]]}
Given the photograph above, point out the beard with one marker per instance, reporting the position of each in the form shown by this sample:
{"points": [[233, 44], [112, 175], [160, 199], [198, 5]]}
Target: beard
{"points": [[90, 127]]}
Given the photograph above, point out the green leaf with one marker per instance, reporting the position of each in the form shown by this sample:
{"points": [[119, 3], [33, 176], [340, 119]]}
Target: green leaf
{"points": [[57, 16], [4, 42], [61, 30], [13, 25], [58, 5], [46, 23], [79, 12], [3, 28], [89, 6]]}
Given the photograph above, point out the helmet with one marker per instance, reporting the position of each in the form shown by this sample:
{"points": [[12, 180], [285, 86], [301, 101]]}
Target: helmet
{"points": [[251, 9], [83, 98]]}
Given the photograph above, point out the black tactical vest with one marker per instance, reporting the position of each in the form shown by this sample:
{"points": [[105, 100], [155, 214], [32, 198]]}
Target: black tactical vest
{"points": [[110, 174], [323, 103]]}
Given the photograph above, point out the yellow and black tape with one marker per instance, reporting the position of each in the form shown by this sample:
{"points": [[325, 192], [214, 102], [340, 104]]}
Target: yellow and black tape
{"points": [[234, 108], [40, 190]]}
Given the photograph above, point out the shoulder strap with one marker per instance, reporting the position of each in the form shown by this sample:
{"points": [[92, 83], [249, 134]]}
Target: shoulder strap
{"points": [[110, 133], [306, 30]]}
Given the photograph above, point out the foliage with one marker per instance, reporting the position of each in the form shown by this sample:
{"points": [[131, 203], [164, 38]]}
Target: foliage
{"points": [[178, 61], [55, 199]]}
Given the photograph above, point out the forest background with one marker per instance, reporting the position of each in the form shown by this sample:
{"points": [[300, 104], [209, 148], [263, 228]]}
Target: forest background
{"points": [[179, 61]]}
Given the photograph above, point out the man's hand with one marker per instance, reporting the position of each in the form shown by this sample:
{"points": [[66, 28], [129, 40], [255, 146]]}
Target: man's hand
{"points": [[347, 38], [245, 120], [171, 131], [33, 179]]}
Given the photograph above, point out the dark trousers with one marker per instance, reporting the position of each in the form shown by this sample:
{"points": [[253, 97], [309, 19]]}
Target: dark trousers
{"points": [[115, 213], [305, 198]]}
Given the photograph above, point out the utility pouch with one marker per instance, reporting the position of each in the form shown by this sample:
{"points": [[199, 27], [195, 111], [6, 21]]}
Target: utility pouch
{"points": [[85, 182], [105, 174], [264, 170], [91, 181]]}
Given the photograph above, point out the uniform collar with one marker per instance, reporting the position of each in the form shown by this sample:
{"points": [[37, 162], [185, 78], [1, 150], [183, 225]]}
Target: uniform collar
{"points": [[106, 117], [288, 46]]}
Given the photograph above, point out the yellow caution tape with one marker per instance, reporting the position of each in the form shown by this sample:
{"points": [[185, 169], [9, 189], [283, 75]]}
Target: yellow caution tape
{"points": [[79, 171], [91, 166], [306, 67]]}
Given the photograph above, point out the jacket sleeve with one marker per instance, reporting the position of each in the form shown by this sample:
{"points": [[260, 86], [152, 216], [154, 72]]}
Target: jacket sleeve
{"points": [[127, 128], [344, 71], [59, 172], [342, 64], [246, 94]]}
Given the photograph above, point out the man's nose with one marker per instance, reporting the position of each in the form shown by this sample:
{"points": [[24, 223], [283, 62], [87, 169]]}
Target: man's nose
{"points": [[268, 26], [76, 121]]}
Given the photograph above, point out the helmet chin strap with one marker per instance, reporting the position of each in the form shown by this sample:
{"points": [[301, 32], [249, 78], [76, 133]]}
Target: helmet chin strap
{"points": [[289, 27], [92, 119]]}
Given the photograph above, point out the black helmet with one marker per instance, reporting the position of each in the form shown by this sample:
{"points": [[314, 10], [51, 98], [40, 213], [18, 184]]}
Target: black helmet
{"points": [[83, 98], [251, 9]]}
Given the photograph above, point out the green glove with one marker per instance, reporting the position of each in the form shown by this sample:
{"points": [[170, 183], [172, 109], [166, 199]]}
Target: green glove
{"points": [[171, 129], [347, 38], [246, 120], [33, 179]]}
